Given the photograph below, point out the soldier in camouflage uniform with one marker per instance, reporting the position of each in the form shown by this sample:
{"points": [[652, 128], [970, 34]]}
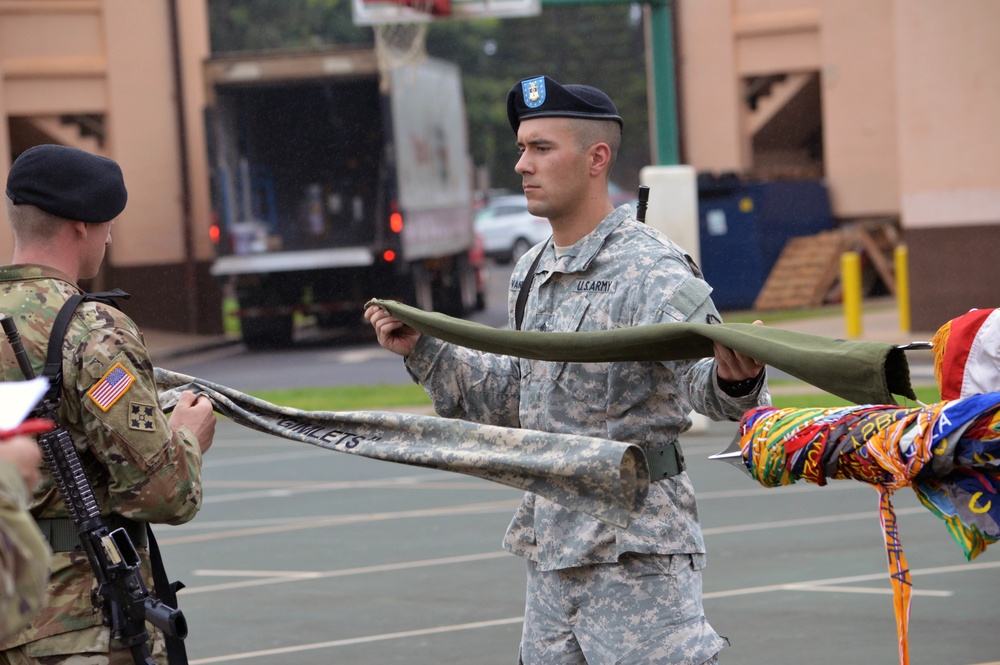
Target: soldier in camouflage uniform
{"points": [[595, 594], [24, 554], [61, 203]]}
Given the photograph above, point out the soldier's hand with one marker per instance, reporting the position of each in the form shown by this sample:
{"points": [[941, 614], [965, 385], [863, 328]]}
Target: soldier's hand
{"points": [[392, 333], [734, 366], [23, 452], [196, 412]]}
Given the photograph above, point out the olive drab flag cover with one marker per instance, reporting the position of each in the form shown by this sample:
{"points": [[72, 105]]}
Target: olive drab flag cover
{"points": [[858, 371], [605, 479]]}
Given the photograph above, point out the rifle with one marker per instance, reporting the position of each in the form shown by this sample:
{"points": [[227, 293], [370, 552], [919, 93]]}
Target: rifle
{"points": [[640, 213], [111, 554]]}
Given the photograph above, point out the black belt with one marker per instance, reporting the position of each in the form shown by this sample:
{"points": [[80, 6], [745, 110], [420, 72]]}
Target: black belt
{"points": [[665, 461], [62, 536]]}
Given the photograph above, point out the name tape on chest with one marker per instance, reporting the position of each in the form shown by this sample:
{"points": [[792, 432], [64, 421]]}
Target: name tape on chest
{"points": [[115, 383], [579, 285]]}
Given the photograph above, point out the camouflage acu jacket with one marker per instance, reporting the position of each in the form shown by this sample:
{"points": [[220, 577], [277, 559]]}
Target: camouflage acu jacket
{"points": [[24, 555], [137, 466], [622, 274]]}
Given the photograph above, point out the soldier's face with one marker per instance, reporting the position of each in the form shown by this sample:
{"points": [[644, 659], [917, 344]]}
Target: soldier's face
{"points": [[552, 167]]}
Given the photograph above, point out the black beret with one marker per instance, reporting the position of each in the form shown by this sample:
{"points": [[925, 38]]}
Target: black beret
{"points": [[68, 183], [541, 97]]}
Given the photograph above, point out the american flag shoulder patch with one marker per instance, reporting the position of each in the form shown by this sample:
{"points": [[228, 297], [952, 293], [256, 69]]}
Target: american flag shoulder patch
{"points": [[115, 382]]}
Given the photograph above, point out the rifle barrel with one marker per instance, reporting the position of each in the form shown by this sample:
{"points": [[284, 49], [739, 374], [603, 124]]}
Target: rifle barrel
{"points": [[14, 337], [640, 213]]}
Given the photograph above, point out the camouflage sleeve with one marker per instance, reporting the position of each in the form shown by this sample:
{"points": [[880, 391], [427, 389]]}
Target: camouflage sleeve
{"points": [[153, 473], [681, 295], [24, 555], [462, 383]]}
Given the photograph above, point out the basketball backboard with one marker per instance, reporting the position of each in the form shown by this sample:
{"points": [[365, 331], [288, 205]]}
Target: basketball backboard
{"points": [[379, 12]]}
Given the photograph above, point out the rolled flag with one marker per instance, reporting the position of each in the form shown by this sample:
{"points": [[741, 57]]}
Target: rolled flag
{"points": [[948, 452], [605, 479], [967, 354], [858, 371]]}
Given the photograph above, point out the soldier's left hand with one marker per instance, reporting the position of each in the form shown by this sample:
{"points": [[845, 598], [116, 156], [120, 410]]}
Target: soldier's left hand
{"points": [[735, 366]]}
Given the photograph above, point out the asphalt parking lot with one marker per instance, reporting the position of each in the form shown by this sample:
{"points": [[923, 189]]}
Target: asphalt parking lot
{"points": [[302, 555]]}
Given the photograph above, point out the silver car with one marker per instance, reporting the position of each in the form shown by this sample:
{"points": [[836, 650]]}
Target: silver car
{"points": [[507, 228]]}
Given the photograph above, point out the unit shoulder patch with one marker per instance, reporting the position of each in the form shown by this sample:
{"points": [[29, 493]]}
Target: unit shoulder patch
{"points": [[142, 417]]}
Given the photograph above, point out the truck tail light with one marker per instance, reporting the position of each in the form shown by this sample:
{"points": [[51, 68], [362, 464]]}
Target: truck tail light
{"points": [[389, 256], [395, 218]]}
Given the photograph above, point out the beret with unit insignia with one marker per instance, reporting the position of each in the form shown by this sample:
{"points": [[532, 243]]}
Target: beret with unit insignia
{"points": [[68, 183], [542, 97]]}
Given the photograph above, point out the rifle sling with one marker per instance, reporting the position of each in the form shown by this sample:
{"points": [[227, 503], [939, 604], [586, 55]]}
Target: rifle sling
{"points": [[522, 295]]}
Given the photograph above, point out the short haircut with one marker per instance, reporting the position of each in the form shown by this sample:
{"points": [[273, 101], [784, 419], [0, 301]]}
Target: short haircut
{"points": [[31, 224], [588, 132]]}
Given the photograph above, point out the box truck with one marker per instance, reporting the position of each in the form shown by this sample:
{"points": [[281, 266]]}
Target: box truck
{"points": [[335, 181]]}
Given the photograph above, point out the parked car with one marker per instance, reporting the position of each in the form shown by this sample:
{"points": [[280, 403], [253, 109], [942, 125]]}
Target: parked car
{"points": [[507, 228]]}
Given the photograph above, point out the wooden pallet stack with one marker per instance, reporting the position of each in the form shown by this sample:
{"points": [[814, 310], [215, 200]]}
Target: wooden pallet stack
{"points": [[807, 273]]}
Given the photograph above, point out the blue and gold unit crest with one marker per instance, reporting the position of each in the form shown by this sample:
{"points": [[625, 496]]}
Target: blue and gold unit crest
{"points": [[534, 92]]}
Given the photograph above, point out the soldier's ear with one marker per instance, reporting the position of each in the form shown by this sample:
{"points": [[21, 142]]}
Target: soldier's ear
{"points": [[600, 157]]}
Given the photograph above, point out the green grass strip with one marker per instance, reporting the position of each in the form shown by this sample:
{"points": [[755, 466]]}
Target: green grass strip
{"points": [[389, 397]]}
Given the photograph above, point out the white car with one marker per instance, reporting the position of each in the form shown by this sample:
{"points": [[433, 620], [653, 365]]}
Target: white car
{"points": [[507, 228]]}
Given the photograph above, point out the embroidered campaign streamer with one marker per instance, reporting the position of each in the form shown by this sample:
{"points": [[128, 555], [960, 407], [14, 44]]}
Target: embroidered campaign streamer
{"points": [[948, 452], [605, 479]]}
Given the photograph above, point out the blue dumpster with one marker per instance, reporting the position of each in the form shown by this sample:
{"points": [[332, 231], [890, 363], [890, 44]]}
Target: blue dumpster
{"points": [[744, 225]]}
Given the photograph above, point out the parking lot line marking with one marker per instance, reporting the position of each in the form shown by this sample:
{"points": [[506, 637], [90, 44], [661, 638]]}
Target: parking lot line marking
{"points": [[864, 589], [794, 586], [360, 640], [338, 520], [805, 521], [278, 577], [512, 620]]}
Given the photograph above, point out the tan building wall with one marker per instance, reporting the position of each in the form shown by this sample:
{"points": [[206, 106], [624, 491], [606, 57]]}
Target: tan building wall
{"points": [[907, 99], [100, 75]]}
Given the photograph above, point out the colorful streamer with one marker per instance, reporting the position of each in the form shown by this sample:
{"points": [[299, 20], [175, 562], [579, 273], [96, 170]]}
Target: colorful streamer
{"points": [[948, 452]]}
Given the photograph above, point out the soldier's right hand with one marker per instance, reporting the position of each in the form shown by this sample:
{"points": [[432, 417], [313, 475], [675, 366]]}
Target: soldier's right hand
{"points": [[196, 412], [392, 333], [23, 452]]}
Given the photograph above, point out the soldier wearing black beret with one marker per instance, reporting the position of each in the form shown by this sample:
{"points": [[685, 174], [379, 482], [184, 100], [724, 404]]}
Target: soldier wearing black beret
{"points": [[68, 183], [596, 593], [144, 465]]}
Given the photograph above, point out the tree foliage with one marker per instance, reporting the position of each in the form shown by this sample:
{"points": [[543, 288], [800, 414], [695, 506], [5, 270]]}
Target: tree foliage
{"points": [[601, 45]]}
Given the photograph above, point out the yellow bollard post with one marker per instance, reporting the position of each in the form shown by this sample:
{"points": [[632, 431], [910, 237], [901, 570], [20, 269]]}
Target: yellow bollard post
{"points": [[901, 260], [850, 284]]}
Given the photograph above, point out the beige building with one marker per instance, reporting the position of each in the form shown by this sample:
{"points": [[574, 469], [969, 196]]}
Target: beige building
{"points": [[123, 79], [894, 102]]}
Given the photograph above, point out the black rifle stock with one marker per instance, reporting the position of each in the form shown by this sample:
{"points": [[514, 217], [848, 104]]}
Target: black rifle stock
{"points": [[112, 556]]}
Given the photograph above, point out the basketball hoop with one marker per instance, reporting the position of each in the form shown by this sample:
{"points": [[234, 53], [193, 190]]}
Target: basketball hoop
{"points": [[401, 36], [399, 44], [400, 26]]}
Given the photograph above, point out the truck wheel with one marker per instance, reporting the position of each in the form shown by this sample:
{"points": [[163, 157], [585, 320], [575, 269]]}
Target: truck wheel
{"points": [[267, 332]]}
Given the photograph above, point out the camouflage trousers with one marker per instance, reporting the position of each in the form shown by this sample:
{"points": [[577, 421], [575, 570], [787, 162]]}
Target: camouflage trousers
{"points": [[644, 610], [48, 652]]}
